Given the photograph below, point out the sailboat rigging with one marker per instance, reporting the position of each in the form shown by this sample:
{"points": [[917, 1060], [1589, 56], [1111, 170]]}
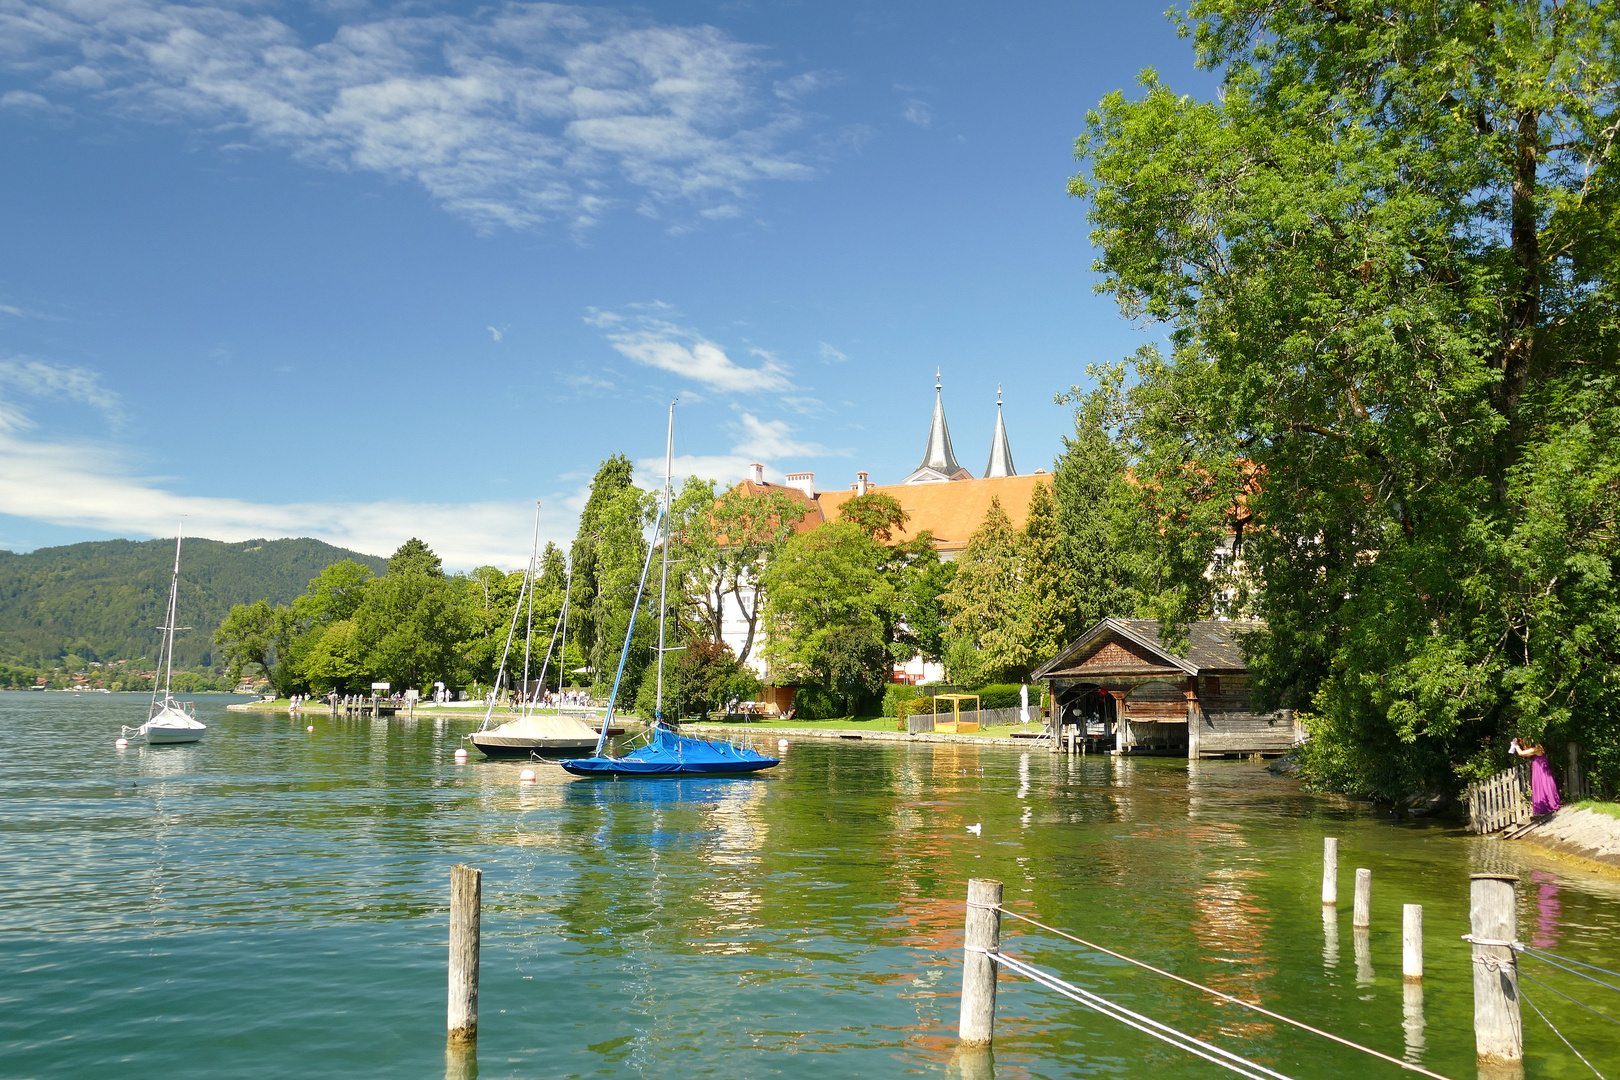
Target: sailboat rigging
{"points": [[665, 753], [531, 733], [169, 721]]}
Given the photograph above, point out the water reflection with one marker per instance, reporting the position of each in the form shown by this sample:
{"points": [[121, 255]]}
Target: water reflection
{"points": [[1548, 909], [1363, 946], [1412, 1020], [460, 1061], [1330, 937]]}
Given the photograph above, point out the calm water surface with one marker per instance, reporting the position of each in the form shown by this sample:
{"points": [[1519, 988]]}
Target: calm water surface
{"points": [[272, 903]]}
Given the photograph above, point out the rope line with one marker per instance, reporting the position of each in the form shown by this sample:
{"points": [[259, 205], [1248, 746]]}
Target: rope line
{"points": [[1192, 1044], [1409, 1066], [1572, 971], [1560, 993], [1560, 1034], [1543, 954]]}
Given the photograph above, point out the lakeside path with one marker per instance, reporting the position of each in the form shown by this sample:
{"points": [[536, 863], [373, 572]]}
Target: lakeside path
{"points": [[852, 731], [1578, 831]]}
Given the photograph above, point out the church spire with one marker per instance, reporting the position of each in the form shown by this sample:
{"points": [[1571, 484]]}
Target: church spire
{"points": [[1001, 462], [939, 456]]}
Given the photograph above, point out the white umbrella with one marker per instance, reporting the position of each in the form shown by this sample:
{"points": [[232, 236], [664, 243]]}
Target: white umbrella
{"points": [[1023, 703]]}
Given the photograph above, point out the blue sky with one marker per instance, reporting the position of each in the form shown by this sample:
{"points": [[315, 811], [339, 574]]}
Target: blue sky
{"points": [[365, 271]]}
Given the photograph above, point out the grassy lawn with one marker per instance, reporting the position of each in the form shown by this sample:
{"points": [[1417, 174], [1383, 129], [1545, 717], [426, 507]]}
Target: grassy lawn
{"points": [[1612, 809], [865, 723]]}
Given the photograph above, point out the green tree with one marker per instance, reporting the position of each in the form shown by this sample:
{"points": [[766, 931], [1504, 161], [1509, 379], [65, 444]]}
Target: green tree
{"points": [[1387, 259], [257, 636], [824, 602], [613, 477], [410, 627], [982, 603], [619, 553], [1044, 607], [1109, 553], [912, 618], [727, 554]]}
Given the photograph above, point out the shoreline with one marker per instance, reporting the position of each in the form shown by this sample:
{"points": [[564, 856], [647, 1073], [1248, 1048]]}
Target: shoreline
{"points": [[1578, 833]]}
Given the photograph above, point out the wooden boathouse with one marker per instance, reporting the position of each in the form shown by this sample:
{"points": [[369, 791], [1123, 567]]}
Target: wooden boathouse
{"points": [[1129, 693]]}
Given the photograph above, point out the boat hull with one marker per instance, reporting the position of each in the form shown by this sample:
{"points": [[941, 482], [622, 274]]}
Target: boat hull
{"points": [[668, 769], [497, 746], [668, 754], [165, 736]]}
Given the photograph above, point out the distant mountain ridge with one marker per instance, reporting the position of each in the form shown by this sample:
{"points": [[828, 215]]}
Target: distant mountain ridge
{"points": [[104, 599]]}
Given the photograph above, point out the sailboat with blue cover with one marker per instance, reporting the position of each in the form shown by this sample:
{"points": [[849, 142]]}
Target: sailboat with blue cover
{"points": [[662, 751]]}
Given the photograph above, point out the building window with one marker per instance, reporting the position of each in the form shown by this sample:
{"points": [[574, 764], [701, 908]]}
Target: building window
{"points": [[1212, 685]]}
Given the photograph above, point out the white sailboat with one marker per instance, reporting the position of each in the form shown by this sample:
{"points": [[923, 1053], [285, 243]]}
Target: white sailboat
{"points": [[533, 733], [169, 721]]}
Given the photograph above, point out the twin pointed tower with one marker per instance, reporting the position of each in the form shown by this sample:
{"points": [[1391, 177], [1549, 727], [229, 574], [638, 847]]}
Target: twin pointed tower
{"points": [[939, 460]]}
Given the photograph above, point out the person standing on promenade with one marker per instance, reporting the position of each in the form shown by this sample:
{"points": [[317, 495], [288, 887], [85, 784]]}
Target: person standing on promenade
{"points": [[1543, 788]]}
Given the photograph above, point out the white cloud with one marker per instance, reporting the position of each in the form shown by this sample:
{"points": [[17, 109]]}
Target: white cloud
{"points": [[27, 377], [89, 485], [517, 114], [769, 439], [917, 112], [494, 333], [832, 353], [661, 344], [756, 441], [86, 486], [29, 102]]}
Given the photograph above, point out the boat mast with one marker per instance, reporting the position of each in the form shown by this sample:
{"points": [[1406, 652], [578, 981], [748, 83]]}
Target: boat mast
{"points": [[663, 573], [168, 624], [511, 631], [562, 659], [528, 633]]}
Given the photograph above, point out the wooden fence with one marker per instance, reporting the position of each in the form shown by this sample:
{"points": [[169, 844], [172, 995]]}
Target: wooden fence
{"points": [[1501, 802]]}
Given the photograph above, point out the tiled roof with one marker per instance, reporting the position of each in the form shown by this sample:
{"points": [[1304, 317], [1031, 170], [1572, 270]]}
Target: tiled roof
{"points": [[1212, 645], [950, 510]]}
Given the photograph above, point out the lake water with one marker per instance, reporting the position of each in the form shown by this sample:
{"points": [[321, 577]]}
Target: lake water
{"points": [[272, 903]]}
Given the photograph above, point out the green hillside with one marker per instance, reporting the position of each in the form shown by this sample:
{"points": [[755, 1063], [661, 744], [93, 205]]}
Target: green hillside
{"points": [[102, 600]]}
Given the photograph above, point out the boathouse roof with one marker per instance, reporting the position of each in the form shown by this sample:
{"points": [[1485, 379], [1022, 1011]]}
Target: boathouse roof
{"points": [[1121, 647]]}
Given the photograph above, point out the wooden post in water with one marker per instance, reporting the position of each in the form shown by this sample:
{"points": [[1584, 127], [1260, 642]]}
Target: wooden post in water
{"points": [[1361, 913], [983, 935], [466, 888], [1330, 870], [1498, 1027], [1412, 942]]}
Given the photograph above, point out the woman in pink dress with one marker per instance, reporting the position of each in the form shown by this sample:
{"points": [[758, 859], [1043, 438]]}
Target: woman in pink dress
{"points": [[1543, 788]]}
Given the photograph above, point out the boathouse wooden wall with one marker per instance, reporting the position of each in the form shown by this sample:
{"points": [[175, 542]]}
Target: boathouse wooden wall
{"points": [[1228, 723]]}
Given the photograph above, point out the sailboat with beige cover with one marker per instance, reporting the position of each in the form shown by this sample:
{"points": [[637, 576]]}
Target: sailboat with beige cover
{"points": [[534, 733]]}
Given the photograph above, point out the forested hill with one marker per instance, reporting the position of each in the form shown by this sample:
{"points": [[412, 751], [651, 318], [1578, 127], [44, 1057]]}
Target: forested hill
{"points": [[103, 600]]}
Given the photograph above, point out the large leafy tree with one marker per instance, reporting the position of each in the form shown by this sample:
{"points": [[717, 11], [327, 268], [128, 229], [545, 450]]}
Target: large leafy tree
{"points": [[1387, 261], [612, 479], [825, 603], [727, 548]]}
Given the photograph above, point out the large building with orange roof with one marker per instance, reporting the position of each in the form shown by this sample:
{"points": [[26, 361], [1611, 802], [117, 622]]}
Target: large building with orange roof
{"points": [[939, 497]]}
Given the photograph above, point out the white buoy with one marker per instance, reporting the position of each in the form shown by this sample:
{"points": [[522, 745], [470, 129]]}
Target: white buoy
{"points": [[976, 829], [460, 754], [527, 776], [121, 744], [310, 728], [781, 744]]}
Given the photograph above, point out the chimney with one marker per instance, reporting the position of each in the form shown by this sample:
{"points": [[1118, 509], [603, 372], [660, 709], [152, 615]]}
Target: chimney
{"points": [[756, 473], [804, 481], [861, 484]]}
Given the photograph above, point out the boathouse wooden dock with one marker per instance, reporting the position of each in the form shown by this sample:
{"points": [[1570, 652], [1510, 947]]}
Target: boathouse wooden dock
{"points": [[1127, 691]]}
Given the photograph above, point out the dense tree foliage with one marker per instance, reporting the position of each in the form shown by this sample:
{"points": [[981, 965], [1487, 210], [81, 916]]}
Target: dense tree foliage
{"points": [[1387, 260], [103, 601]]}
